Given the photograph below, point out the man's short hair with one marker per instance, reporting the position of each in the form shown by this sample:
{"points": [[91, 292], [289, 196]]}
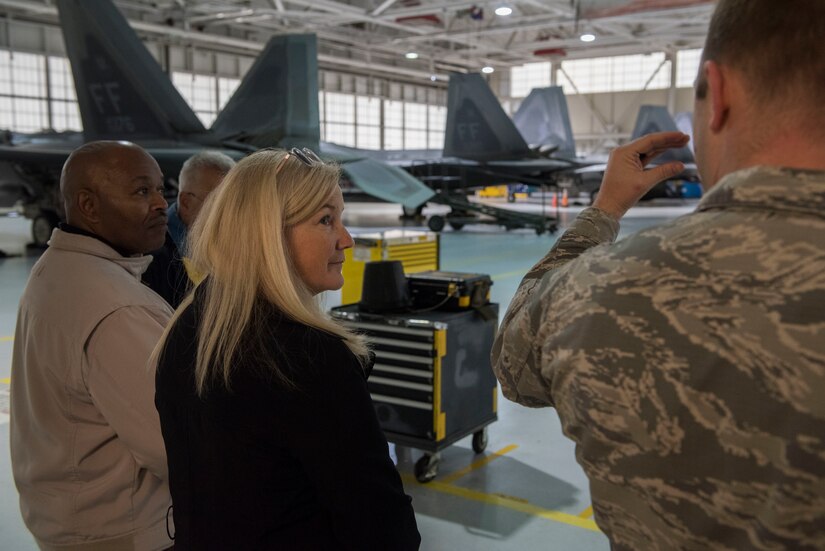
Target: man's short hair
{"points": [[204, 159], [776, 45]]}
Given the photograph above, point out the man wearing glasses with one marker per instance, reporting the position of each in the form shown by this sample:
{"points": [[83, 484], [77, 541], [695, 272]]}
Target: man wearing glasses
{"points": [[199, 177]]}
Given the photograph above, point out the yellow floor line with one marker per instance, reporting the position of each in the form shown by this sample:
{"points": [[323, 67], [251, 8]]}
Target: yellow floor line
{"points": [[449, 479], [587, 513], [6, 339], [507, 502], [6, 381]]}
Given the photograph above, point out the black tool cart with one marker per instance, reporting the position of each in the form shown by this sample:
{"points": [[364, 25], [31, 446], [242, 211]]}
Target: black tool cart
{"points": [[432, 383]]}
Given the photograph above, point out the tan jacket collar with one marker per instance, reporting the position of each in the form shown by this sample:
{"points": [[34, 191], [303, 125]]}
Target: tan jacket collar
{"points": [[71, 242]]}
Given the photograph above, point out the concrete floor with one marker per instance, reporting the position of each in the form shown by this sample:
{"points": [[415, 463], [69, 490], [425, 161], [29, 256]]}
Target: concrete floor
{"points": [[525, 492]]}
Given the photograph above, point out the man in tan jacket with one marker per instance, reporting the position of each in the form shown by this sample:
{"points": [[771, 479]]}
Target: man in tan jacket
{"points": [[86, 448]]}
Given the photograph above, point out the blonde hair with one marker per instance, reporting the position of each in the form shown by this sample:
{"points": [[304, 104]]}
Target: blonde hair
{"points": [[239, 242]]}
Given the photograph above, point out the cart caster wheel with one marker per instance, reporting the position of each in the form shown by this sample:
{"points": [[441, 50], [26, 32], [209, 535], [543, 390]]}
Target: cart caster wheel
{"points": [[456, 225], [480, 441], [426, 468]]}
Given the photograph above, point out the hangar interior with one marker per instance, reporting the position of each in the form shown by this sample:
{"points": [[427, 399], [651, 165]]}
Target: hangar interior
{"points": [[384, 70]]}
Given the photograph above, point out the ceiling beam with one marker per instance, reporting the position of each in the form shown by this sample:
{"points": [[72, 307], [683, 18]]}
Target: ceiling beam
{"points": [[383, 7]]}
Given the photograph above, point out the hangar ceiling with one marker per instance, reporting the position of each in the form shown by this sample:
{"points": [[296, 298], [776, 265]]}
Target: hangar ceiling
{"points": [[374, 36]]}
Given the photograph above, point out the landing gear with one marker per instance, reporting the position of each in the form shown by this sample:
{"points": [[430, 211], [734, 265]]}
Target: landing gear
{"points": [[436, 223], [464, 212], [409, 213]]}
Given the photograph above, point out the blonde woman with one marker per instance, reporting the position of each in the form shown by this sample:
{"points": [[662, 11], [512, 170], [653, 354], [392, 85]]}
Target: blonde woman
{"points": [[271, 437]]}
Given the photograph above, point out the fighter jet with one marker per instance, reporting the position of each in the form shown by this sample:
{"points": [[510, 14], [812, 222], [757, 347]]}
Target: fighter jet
{"points": [[276, 105], [543, 118], [482, 145], [655, 118], [123, 94], [544, 121]]}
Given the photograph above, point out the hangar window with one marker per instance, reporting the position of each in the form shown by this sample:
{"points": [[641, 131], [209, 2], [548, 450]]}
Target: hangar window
{"points": [[368, 122], [340, 118], [23, 88], [393, 124], [436, 123], [687, 67], [226, 87], [321, 114], [615, 74], [64, 110], [415, 126], [529, 76], [200, 92]]}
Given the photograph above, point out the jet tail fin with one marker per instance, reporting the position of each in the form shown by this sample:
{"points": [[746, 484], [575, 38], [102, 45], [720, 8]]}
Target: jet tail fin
{"points": [[655, 118], [477, 126], [121, 90], [544, 120], [276, 104]]}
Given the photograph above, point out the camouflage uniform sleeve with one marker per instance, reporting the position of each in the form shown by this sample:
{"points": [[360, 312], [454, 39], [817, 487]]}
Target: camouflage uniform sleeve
{"points": [[516, 354]]}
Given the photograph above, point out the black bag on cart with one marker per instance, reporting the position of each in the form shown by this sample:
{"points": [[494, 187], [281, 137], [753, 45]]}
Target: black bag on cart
{"points": [[449, 291]]}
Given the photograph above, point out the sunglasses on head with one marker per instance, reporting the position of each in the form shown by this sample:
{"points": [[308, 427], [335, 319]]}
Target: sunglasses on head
{"points": [[306, 156]]}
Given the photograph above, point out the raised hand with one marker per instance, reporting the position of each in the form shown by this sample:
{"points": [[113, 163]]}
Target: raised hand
{"points": [[627, 177]]}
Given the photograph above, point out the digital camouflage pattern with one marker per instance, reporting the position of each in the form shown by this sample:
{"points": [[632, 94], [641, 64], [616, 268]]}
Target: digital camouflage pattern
{"points": [[687, 362]]}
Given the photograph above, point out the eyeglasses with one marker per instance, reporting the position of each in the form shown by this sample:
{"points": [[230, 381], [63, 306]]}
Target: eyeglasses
{"points": [[305, 155]]}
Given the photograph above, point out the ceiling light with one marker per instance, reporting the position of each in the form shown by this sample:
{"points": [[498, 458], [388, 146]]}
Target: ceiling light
{"points": [[411, 55], [504, 10], [487, 70], [587, 37]]}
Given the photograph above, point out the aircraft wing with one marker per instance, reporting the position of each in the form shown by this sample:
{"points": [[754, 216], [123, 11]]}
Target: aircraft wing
{"points": [[542, 165], [386, 182], [690, 173], [375, 177], [46, 157]]}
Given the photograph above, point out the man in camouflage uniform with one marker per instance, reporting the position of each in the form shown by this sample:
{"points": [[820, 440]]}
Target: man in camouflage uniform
{"points": [[687, 361]]}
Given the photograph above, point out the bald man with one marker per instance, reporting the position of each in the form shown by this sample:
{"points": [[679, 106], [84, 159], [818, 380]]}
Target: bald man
{"points": [[86, 448], [199, 177]]}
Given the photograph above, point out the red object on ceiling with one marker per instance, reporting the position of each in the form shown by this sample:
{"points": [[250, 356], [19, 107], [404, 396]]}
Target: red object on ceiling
{"points": [[606, 8], [433, 19], [551, 51]]}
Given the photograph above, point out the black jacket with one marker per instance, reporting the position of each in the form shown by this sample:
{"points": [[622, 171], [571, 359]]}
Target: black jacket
{"points": [[166, 275], [266, 467]]}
